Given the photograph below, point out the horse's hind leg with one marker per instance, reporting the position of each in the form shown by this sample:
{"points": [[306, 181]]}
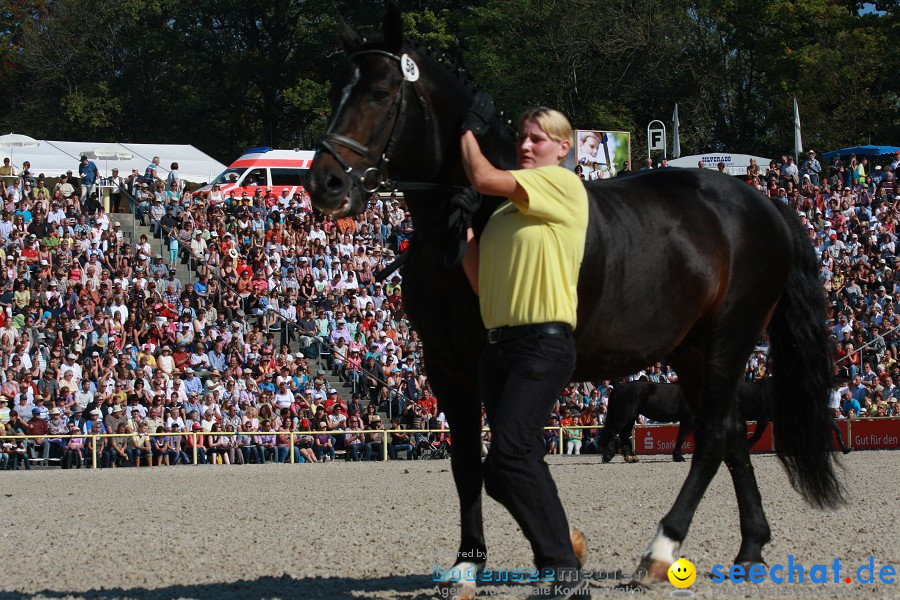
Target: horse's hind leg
{"points": [[708, 455], [712, 403], [686, 425], [755, 531], [606, 443], [627, 435]]}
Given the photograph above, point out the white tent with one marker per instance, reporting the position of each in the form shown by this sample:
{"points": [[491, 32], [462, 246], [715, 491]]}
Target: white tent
{"points": [[54, 158], [735, 164]]}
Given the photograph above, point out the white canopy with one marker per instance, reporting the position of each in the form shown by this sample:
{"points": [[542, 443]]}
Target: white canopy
{"points": [[735, 164], [53, 158]]}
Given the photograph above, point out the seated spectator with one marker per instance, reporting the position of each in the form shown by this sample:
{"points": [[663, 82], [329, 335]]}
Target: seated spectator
{"points": [[355, 443], [323, 443], [551, 436], [400, 442], [217, 446], [140, 447], [117, 449], [266, 441], [73, 455]]}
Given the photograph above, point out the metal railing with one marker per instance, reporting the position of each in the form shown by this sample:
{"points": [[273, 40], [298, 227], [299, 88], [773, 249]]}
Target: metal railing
{"points": [[201, 435], [294, 435]]}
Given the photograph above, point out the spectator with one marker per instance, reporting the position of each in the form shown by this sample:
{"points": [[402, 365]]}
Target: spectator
{"points": [[400, 442], [323, 443], [40, 427], [89, 177], [812, 167], [140, 447], [355, 443], [151, 173], [74, 447]]}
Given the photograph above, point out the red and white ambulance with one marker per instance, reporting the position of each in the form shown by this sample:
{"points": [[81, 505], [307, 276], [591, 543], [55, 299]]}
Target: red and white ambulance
{"points": [[263, 169]]}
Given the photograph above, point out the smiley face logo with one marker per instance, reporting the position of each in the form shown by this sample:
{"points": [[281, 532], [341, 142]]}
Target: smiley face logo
{"points": [[682, 573]]}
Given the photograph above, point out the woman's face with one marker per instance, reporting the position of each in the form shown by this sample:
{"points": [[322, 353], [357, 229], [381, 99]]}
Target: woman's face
{"points": [[588, 148], [537, 149]]}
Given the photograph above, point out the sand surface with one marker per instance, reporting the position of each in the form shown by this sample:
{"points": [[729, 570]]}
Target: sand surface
{"points": [[375, 530]]}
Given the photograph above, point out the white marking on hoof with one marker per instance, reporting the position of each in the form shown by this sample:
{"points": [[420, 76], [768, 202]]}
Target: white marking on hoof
{"points": [[457, 581], [662, 548]]}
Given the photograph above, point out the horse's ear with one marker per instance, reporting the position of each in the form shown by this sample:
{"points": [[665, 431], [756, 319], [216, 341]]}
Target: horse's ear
{"points": [[349, 38], [393, 28]]}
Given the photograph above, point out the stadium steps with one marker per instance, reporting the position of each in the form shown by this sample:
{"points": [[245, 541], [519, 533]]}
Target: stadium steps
{"points": [[345, 389]]}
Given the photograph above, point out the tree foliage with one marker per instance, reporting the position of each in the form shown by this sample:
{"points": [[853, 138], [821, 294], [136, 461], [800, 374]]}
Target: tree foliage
{"points": [[228, 74]]}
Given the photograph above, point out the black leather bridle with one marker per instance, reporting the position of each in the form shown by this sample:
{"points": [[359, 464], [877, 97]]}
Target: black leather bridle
{"points": [[374, 178]]}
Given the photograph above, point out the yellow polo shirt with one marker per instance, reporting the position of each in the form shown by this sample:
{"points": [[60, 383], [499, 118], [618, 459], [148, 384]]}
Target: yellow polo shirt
{"points": [[531, 251]]}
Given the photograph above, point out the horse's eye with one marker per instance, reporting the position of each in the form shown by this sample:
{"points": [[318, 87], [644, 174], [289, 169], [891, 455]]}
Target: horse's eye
{"points": [[381, 94]]}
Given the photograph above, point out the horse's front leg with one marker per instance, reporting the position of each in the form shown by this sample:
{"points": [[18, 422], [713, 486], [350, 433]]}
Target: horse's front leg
{"points": [[463, 411]]}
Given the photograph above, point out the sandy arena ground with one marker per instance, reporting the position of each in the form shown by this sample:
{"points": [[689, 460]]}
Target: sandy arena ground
{"points": [[362, 530]]}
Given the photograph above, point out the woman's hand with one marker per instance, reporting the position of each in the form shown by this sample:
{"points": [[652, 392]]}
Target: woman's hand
{"points": [[485, 177]]}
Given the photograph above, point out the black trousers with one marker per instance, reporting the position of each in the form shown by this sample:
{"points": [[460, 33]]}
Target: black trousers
{"points": [[519, 383]]}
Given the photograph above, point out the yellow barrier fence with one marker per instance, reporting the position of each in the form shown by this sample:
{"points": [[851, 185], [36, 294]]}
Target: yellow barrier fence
{"points": [[194, 436]]}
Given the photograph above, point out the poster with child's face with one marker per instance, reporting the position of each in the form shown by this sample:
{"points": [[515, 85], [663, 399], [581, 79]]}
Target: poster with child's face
{"points": [[601, 154]]}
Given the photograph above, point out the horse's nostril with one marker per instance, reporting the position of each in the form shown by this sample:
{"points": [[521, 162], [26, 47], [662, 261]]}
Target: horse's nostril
{"points": [[334, 183]]}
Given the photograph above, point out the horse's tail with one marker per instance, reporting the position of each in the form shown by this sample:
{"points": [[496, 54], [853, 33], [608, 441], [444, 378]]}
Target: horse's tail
{"points": [[801, 361]]}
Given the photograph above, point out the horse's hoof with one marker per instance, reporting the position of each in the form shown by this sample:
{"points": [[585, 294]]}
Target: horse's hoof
{"points": [[458, 581], [579, 545], [649, 572], [631, 458], [678, 458]]}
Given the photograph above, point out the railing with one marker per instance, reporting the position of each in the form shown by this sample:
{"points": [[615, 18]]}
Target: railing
{"points": [[293, 435], [864, 346], [891, 439]]}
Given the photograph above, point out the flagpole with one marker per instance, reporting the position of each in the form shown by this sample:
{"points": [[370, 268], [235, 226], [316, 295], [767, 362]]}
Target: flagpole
{"points": [[676, 137]]}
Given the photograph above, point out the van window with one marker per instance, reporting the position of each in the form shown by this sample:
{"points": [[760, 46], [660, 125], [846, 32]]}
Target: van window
{"points": [[229, 176], [256, 177], [292, 177]]}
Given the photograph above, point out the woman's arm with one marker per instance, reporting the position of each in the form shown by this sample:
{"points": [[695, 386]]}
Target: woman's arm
{"points": [[485, 177]]}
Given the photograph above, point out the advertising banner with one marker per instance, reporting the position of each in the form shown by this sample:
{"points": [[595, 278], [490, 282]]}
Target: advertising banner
{"points": [[765, 443], [874, 434], [602, 154], [860, 434], [660, 439]]}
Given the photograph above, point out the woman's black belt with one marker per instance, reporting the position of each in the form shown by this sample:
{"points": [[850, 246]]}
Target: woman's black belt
{"points": [[509, 334]]}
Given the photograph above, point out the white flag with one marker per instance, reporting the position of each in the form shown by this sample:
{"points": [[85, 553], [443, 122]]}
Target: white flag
{"points": [[798, 143], [676, 139]]}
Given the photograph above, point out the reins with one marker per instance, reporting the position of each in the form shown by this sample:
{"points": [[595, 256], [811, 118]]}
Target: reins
{"points": [[373, 178]]}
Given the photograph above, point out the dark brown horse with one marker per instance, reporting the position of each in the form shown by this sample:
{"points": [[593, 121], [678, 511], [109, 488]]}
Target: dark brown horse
{"points": [[684, 264], [665, 403]]}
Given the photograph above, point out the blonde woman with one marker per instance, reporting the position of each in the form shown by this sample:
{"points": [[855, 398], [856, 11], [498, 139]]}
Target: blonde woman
{"points": [[526, 274]]}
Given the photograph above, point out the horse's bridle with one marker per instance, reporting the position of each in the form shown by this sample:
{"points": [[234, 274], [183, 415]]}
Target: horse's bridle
{"points": [[464, 201], [374, 178]]}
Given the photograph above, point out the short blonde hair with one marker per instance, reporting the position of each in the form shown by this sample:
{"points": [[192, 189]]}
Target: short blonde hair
{"points": [[555, 124]]}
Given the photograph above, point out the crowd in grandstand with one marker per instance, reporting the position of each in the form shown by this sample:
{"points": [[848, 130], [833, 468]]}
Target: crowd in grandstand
{"points": [[99, 334]]}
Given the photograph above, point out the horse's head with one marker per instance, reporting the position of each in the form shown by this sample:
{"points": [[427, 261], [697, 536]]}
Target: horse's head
{"points": [[396, 113]]}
